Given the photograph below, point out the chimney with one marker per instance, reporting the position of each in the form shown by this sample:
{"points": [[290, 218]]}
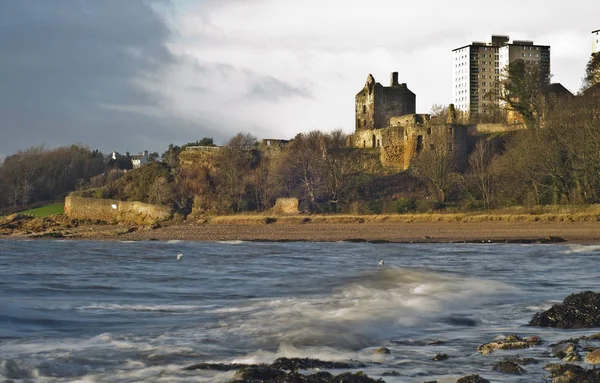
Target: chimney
{"points": [[394, 79], [145, 153]]}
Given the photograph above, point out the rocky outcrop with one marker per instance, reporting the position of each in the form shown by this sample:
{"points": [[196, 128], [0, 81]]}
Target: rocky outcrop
{"points": [[580, 310], [571, 373], [508, 367], [277, 372], [472, 379], [593, 357], [511, 342], [108, 210], [261, 374]]}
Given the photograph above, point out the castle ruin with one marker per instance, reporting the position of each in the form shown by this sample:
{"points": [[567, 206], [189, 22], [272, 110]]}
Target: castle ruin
{"points": [[386, 119]]}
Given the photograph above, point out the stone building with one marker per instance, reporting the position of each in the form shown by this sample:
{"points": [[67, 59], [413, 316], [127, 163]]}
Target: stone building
{"points": [[386, 121], [376, 104], [596, 41]]}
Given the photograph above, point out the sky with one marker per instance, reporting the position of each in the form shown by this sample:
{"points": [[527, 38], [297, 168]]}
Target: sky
{"points": [[134, 75]]}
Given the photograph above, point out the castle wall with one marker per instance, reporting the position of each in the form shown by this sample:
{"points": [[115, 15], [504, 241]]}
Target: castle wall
{"points": [[392, 101], [376, 104]]}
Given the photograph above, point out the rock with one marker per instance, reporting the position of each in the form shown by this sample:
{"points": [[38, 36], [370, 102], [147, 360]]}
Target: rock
{"points": [[472, 379], [572, 356], [562, 349], [391, 373], [508, 367], [436, 343], [509, 343], [594, 337], [382, 351], [259, 374], [216, 366], [570, 373], [524, 361], [439, 357], [580, 310], [593, 357], [294, 364]]}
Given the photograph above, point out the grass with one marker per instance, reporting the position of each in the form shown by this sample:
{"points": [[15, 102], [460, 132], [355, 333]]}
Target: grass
{"points": [[46, 211]]}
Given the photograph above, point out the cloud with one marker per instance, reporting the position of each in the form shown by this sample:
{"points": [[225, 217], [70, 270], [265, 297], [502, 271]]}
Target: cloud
{"points": [[130, 75], [74, 72]]}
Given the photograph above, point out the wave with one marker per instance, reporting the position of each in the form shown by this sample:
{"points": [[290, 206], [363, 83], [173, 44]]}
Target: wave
{"points": [[577, 249], [372, 307], [141, 308], [236, 242], [11, 369]]}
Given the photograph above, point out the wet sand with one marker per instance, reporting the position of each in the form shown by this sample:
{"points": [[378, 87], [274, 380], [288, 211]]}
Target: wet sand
{"points": [[444, 232]]}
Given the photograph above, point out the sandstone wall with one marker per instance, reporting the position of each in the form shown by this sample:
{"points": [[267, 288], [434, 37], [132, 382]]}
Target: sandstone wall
{"points": [[493, 128], [286, 206], [115, 211]]}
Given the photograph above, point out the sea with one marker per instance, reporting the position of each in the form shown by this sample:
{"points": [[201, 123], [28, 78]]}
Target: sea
{"points": [[109, 311]]}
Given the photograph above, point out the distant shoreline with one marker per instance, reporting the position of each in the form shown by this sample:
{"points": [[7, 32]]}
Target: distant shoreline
{"points": [[581, 232]]}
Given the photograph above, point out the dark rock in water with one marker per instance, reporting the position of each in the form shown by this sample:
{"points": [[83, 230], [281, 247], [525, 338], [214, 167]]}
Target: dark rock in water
{"points": [[382, 351], [259, 374], [562, 349], [439, 357], [580, 310], [508, 367], [294, 364], [217, 366], [266, 374], [472, 379], [436, 343], [391, 373], [523, 361], [571, 373], [456, 320]]}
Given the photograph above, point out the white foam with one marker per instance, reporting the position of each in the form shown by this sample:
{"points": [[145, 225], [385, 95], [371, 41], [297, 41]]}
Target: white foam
{"points": [[578, 249], [365, 311], [232, 242]]}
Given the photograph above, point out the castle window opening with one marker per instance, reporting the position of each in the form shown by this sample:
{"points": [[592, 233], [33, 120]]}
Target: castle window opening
{"points": [[364, 109], [378, 144], [364, 144], [428, 131], [374, 141], [450, 130], [419, 144]]}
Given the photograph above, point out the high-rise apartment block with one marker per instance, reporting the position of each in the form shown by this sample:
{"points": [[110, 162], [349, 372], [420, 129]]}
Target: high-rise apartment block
{"points": [[596, 41], [478, 66]]}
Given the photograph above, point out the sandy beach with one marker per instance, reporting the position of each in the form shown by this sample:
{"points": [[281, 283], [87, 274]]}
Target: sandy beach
{"points": [[575, 232]]}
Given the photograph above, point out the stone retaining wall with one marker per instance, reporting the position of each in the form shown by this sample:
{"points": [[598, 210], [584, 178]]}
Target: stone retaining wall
{"points": [[109, 210]]}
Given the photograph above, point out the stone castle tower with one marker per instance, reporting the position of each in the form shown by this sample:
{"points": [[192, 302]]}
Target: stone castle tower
{"points": [[376, 104]]}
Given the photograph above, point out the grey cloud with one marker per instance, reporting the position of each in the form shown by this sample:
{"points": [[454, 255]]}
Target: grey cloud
{"points": [[272, 89], [62, 62]]}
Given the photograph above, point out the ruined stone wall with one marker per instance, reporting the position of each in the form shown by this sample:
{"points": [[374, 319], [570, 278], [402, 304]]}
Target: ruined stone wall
{"points": [[475, 129], [367, 139], [286, 206], [115, 211], [392, 101]]}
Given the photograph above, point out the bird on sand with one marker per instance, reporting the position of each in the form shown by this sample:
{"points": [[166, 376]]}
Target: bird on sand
{"points": [[179, 256]]}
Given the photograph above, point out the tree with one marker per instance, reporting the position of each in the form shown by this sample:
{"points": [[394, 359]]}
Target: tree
{"points": [[592, 72], [235, 161], [437, 163], [480, 162], [523, 90]]}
